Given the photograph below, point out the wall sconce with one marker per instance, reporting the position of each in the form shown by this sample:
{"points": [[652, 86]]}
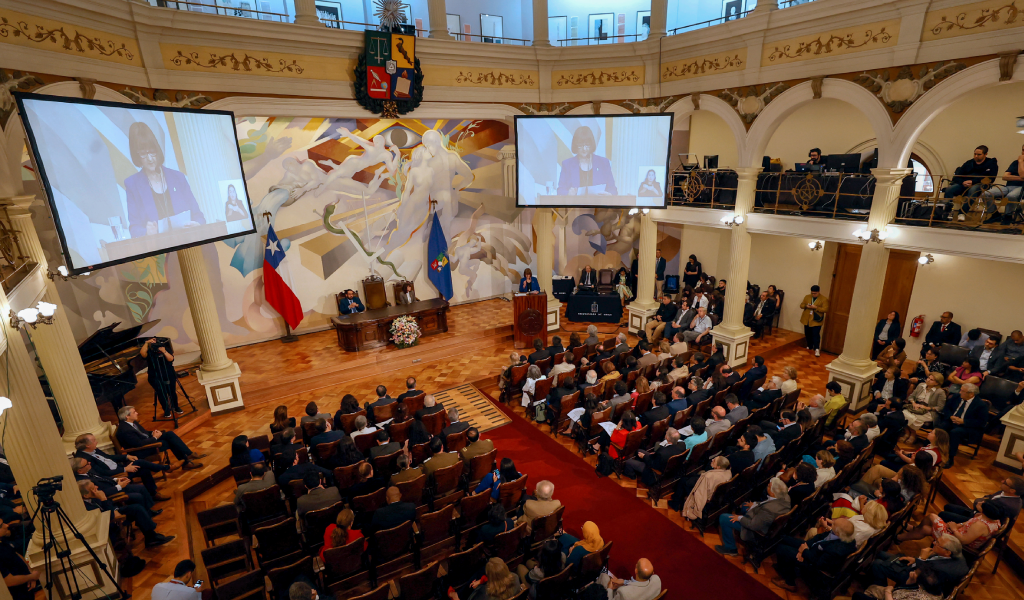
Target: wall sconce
{"points": [[815, 245], [927, 259], [5, 403], [732, 219], [42, 314], [634, 211], [1020, 124], [874, 235], [62, 272]]}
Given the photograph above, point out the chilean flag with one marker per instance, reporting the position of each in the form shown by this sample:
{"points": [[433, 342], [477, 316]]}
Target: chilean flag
{"points": [[277, 283]]}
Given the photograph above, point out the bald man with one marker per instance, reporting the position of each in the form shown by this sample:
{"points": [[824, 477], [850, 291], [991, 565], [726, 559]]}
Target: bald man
{"points": [[644, 585], [392, 515], [797, 557]]}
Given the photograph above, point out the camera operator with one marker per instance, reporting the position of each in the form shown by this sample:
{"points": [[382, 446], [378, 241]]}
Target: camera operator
{"points": [[20, 579], [180, 587], [96, 500], [161, 374]]}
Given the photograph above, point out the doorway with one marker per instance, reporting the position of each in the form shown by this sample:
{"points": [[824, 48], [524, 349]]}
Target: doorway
{"points": [[900, 273]]}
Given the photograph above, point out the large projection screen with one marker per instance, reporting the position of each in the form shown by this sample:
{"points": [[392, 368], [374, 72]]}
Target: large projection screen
{"points": [[614, 161], [126, 181]]}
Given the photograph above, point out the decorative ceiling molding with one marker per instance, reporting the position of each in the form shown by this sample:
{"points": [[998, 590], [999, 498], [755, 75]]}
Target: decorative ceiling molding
{"points": [[904, 89], [46, 34], [753, 102]]}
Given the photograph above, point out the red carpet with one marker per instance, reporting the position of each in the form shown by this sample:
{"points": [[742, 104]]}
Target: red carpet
{"points": [[688, 568]]}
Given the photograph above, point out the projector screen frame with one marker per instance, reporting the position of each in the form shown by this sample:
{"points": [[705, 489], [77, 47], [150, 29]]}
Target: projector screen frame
{"points": [[20, 97], [668, 158]]}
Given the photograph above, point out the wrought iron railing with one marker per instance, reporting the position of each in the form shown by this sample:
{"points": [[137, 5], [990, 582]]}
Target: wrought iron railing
{"points": [[730, 17], [703, 188], [15, 265], [213, 8], [602, 39], [986, 206]]}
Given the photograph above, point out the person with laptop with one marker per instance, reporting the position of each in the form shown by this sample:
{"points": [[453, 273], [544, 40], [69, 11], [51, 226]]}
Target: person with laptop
{"points": [[814, 157]]}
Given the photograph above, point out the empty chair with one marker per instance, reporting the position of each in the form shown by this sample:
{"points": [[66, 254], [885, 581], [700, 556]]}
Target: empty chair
{"points": [[380, 593], [455, 441], [219, 522], [344, 564], [438, 528], [412, 490], [418, 585], [464, 566], [480, 466], [345, 477], [250, 586], [446, 480], [263, 505], [508, 546], [391, 549], [277, 539], [226, 559], [555, 586], [281, 578], [511, 494]]}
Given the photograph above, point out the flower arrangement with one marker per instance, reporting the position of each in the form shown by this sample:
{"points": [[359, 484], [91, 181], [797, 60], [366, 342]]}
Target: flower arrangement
{"points": [[405, 332]]}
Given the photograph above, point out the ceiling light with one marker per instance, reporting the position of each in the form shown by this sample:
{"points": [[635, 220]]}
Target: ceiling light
{"points": [[732, 219], [926, 259]]}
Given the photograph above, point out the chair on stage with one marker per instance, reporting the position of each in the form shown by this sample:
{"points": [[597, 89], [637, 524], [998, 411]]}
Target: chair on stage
{"points": [[376, 297], [398, 286], [605, 281]]}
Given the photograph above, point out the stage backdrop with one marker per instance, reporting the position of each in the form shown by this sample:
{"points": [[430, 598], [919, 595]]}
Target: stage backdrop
{"points": [[347, 196]]}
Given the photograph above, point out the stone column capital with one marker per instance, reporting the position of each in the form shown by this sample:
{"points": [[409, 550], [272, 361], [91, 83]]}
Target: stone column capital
{"points": [[887, 177], [747, 173]]}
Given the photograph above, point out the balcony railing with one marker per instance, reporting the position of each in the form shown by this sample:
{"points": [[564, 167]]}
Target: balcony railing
{"points": [[988, 206], [602, 39], [703, 188], [490, 39], [213, 8], [730, 17]]}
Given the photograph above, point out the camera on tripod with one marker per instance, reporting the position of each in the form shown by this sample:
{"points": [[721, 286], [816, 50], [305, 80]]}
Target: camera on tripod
{"points": [[46, 487]]}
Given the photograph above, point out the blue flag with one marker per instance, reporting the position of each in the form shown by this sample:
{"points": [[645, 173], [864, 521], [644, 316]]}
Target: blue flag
{"points": [[440, 273]]}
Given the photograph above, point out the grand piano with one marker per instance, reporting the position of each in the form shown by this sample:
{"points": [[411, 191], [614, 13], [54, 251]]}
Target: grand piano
{"points": [[112, 361]]}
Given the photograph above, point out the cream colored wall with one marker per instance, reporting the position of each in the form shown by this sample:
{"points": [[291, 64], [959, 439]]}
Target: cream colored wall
{"points": [[710, 135], [790, 265], [832, 125], [989, 298], [710, 245], [956, 131]]}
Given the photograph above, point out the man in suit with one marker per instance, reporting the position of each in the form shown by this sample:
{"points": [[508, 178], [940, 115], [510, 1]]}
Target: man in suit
{"points": [[325, 435], [287, 443], [764, 396], [137, 494], [659, 272], [131, 434], [566, 366], [666, 312], [944, 558], [741, 456], [856, 434], [964, 418], [1008, 359], [621, 394], [439, 459], [299, 470], [312, 414], [697, 392], [410, 385], [350, 304], [659, 412], [717, 423], [943, 331], [985, 352], [108, 465], [392, 515], [754, 517], [795, 557], [541, 505], [764, 310], [1008, 498], [736, 410], [405, 472], [384, 445], [644, 585], [814, 307], [646, 463], [455, 426], [680, 322], [383, 399], [261, 480], [753, 374], [539, 351], [556, 346], [646, 356], [588, 279], [474, 445], [430, 406], [316, 497], [620, 347], [95, 499], [785, 431]]}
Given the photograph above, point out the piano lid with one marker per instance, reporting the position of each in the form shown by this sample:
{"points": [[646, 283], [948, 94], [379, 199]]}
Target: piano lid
{"points": [[106, 341]]}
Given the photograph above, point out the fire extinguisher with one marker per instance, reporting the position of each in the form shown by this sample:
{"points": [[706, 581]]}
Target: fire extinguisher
{"points": [[916, 325]]}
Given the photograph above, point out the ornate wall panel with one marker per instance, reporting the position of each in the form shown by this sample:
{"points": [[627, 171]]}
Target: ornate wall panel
{"points": [[858, 38], [45, 34], [968, 19], [573, 79], [699, 66], [480, 77], [202, 59]]}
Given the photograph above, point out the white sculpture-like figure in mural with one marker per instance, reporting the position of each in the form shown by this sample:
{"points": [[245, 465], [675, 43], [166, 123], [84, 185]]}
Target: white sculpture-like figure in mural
{"points": [[339, 179], [446, 164]]}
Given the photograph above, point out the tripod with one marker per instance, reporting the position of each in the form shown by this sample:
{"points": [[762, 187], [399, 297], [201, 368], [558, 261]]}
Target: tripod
{"points": [[174, 416], [49, 510]]}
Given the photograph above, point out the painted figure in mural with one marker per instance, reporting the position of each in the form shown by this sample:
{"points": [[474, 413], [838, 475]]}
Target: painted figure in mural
{"points": [[415, 205], [446, 164], [156, 192], [340, 178]]}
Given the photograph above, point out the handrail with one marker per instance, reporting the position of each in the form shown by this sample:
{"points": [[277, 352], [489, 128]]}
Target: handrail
{"points": [[606, 39], [228, 11], [461, 36], [710, 22]]}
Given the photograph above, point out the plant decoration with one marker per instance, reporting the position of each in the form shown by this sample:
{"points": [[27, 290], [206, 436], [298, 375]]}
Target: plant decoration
{"points": [[405, 332]]}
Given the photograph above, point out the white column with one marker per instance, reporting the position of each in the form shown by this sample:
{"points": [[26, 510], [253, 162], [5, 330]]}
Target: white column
{"points": [[56, 347], [764, 6], [659, 19], [35, 451], [731, 332], [540, 24], [305, 13], [854, 369], [644, 306], [507, 156], [543, 222], [437, 12], [218, 373]]}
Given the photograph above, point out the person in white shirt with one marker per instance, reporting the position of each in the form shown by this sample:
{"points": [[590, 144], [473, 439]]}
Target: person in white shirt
{"points": [[699, 328], [700, 300], [180, 587], [870, 421], [362, 426]]}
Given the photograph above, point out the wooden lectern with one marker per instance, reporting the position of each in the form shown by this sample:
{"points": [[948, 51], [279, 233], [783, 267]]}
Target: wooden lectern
{"points": [[531, 319]]}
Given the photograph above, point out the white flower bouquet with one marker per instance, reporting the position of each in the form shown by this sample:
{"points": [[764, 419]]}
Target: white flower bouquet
{"points": [[405, 332]]}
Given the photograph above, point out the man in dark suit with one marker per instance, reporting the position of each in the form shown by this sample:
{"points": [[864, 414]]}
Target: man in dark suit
{"points": [[857, 434], [131, 434], [666, 312], [795, 557], [556, 346], [430, 406], [350, 303], [539, 351], [697, 392], [108, 465], [325, 434], [681, 321], [455, 426], [768, 394], [383, 399], [764, 310], [659, 272], [943, 331], [753, 374], [785, 430], [96, 499], [384, 445], [1007, 360], [647, 463], [136, 493], [679, 401], [944, 558], [659, 412], [588, 278], [1008, 498], [736, 409], [316, 496], [620, 345], [392, 515], [287, 443], [964, 417], [410, 391], [299, 470]]}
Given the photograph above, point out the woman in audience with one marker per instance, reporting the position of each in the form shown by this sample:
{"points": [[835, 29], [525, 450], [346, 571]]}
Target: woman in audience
{"points": [[497, 523], [628, 423], [972, 533], [500, 583], [937, 448], [719, 381], [773, 293], [789, 382], [418, 433], [610, 374], [575, 549], [242, 454], [642, 387], [348, 454], [506, 373], [340, 533], [912, 482], [662, 380], [366, 484], [888, 390], [691, 274], [802, 483], [894, 355], [592, 336], [533, 375], [887, 330], [845, 454], [924, 405], [349, 405], [888, 494], [505, 473], [550, 561], [968, 372], [871, 520], [281, 420], [574, 342], [664, 349], [401, 414], [826, 467], [912, 478]]}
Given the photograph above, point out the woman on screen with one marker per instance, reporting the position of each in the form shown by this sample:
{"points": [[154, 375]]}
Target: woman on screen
{"points": [[234, 210], [584, 173], [156, 192], [528, 283], [649, 187]]}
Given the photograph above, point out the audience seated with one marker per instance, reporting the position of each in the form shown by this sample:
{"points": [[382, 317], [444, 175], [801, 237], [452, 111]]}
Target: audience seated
{"points": [[644, 585], [262, 478], [109, 465], [317, 496], [505, 473], [1008, 359], [349, 406], [410, 389], [1008, 498], [972, 533], [454, 425], [181, 585], [539, 351], [131, 434], [736, 411], [394, 514], [368, 482], [825, 467], [439, 459], [341, 533], [944, 558], [96, 500], [943, 331], [281, 420], [498, 583], [287, 442], [964, 418], [242, 454], [802, 482], [498, 522], [550, 561], [312, 414], [22, 581], [542, 503], [556, 346], [754, 518], [384, 445], [795, 557], [383, 399], [927, 365], [135, 493], [474, 445], [575, 548], [646, 463], [697, 489], [405, 471], [299, 470], [325, 435]]}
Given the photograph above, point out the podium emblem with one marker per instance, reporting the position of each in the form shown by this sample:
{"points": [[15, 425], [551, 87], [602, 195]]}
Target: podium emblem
{"points": [[594, 308]]}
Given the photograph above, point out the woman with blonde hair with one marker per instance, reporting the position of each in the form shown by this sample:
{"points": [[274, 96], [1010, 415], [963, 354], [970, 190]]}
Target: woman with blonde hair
{"points": [[505, 379], [826, 467], [789, 382], [872, 519], [924, 404], [642, 387], [610, 374], [664, 349], [501, 583]]}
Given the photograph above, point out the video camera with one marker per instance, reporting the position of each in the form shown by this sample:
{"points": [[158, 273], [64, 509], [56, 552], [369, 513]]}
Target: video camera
{"points": [[46, 487]]}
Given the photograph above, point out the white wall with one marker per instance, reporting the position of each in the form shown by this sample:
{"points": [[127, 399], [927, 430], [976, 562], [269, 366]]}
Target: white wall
{"points": [[512, 14], [688, 12], [979, 293], [832, 125], [790, 265], [709, 134], [583, 10]]}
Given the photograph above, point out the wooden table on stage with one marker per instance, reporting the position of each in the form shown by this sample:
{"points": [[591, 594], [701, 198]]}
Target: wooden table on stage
{"points": [[372, 328], [531, 319]]}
